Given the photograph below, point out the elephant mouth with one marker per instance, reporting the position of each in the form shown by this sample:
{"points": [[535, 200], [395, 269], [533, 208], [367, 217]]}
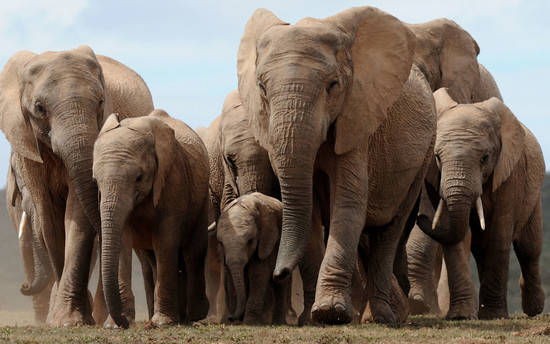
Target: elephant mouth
{"points": [[478, 206]]}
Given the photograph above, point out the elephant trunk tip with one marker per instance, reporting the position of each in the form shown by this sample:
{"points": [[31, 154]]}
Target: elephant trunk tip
{"points": [[281, 273]]}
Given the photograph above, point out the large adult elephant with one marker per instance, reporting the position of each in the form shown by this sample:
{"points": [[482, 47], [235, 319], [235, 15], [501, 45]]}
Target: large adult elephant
{"points": [[487, 178], [51, 108], [337, 98], [447, 56]]}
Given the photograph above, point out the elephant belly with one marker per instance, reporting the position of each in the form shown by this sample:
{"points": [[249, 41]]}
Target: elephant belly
{"points": [[142, 237]]}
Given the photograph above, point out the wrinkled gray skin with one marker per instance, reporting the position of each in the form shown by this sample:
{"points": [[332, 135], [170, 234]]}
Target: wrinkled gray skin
{"points": [[247, 169], [51, 108], [152, 175], [365, 150], [248, 232], [484, 153]]}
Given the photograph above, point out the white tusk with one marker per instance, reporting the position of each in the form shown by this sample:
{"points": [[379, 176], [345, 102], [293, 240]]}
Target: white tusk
{"points": [[479, 207], [22, 224], [438, 213], [212, 226]]}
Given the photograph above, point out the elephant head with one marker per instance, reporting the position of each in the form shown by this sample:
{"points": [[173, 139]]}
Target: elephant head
{"points": [[250, 225], [301, 85], [246, 164], [476, 149], [447, 56], [132, 159], [56, 102]]}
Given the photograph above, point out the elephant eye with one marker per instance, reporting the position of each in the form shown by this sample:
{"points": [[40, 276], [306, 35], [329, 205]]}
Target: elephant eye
{"points": [[139, 178], [484, 159], [331, 86], [39, 109], [262, 88]]}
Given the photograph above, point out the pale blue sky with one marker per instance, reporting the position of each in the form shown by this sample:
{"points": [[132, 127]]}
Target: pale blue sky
{"points": [[186, 51]]}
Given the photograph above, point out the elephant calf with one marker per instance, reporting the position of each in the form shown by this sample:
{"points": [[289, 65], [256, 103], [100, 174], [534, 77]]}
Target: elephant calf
{"points": [[152, 174], [486, 177], [248, 230]]}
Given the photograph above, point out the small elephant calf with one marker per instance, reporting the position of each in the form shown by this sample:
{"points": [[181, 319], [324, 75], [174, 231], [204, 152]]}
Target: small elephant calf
{"points": [[152, 174], [248, 231]]}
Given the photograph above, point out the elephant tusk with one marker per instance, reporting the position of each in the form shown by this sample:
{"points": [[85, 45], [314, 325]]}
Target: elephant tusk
{"points": [[22, 224], [212, 226], [438, 213], [479, 207]]}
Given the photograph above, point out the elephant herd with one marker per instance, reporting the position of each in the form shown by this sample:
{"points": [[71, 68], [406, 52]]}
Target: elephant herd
{"points": [[363, 155]]}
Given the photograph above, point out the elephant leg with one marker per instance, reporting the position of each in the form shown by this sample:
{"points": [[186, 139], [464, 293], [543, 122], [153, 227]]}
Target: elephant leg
{"points": [[41, 303], [493, 285], [147, 259], [423, 254], [310, 264], [182, 287], [280, 301], [195, 255], [462, 304], [348, 214], [528, 247], [72, 306], [165, 246], [213, 277], [259, 276]]}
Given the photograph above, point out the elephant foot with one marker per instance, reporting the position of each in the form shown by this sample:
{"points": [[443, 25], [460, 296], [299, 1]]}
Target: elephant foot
{"points": [[71, 318], [533, 303], [198, 310], [461, 313], [417, 305], [111, 325], [305, 318], [486, 313], [160, 319], [332, 309], [378, 311]]}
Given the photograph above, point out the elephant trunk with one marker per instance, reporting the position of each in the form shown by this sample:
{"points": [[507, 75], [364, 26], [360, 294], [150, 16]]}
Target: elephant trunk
{"points": [[236, 270], [43, 271], [295, 144], [458, 195], [79, 125], [113, 219]]}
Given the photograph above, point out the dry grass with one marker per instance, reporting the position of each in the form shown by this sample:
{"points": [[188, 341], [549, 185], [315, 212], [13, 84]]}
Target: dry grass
{"points": [[416, 330]]}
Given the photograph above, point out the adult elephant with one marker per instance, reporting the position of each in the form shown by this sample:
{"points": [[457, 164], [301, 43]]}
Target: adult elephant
{"points": [[337, 98], [51, 108], [487, 177], [447, 56]]}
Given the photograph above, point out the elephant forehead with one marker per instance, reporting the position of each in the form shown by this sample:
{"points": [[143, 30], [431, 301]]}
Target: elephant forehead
{"points": [[124, 138], [313, 39]]}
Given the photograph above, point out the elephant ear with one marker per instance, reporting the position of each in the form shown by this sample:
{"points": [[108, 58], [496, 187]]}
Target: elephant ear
{"points": [[15, 125], [165, 148], [249, 90], [382, 52], [270, 211], [512, 137], [443, 101], [458, 58], [111, 123]]}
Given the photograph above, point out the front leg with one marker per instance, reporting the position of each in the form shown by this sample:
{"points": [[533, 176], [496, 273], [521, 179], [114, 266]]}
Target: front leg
{"points": [[72, 306], [348, 201]]}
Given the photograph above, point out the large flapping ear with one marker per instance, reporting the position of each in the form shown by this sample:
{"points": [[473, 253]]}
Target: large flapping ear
{"points": [[165, 149], [382, 54], [271, 212], [512, 137], [458, 59], [443, 101], [15, 125], [249, 90]]}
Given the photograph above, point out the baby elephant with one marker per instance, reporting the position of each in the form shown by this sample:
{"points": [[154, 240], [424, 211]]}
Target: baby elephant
{"points": [[152, 174], [248, 231]]}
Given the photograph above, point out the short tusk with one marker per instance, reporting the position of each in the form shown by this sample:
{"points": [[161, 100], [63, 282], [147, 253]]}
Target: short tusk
{"points": [[479, 207], [437, 213], [22, 224], [212, 226]]}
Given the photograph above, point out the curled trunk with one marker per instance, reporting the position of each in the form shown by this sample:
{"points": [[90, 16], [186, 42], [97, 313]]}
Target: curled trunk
{"points": [[42, 267]]}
